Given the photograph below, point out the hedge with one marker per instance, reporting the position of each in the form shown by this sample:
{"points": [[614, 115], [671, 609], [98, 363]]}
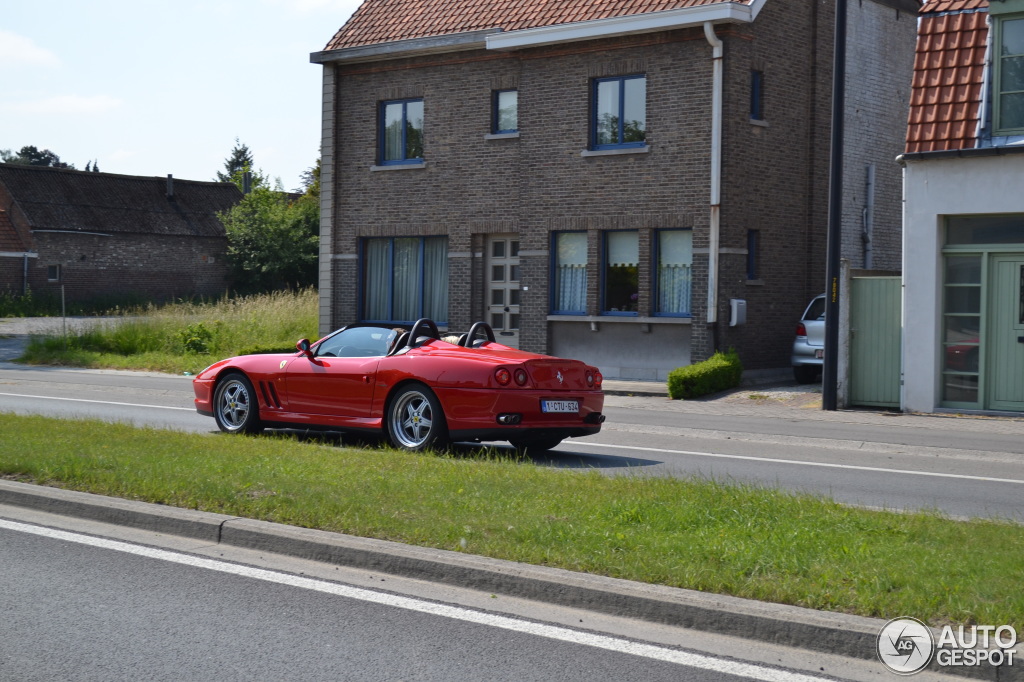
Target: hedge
{"points": [[719, 372]]}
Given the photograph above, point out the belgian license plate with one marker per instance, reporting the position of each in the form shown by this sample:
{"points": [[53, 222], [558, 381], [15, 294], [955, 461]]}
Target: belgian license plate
{"points": [[559, 406]]}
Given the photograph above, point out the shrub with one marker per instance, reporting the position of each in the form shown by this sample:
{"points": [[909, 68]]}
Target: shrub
{"points": [[719, 372]]}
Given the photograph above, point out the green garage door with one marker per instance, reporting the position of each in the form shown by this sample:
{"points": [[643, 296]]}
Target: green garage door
{"points": [[875, 338]]}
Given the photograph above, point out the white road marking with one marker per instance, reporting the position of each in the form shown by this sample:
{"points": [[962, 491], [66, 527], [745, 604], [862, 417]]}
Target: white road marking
{"points": [[98, 402], [854, 467], [443, 610]]}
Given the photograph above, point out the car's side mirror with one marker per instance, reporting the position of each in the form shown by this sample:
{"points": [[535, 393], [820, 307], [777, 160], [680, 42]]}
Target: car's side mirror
{"points": [[303, 347]]}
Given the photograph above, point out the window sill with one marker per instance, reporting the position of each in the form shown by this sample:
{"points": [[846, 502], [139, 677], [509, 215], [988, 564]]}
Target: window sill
{"points": [[615, 319], [502, 136], [755, 282], [616, 152], [400, 167], [760, 122]]}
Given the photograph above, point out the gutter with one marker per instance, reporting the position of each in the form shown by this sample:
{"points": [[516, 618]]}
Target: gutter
{"points": [[959, 153], [714, 227]]}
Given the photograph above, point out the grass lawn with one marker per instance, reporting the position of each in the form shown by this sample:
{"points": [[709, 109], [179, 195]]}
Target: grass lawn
{"points": [[730, 539]]}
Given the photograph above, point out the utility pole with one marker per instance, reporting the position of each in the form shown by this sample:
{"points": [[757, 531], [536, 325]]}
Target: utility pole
{"points": [[830, 368]]}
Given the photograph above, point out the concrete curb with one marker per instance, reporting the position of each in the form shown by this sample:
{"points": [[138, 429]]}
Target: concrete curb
{"points": [[833, 633]]}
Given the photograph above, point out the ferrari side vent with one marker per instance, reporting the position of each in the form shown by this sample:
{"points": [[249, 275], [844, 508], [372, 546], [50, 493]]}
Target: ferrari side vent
{"points": [[270, 398]]}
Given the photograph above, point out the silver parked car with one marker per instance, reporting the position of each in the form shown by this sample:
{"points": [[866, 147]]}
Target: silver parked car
{"points": [[809, 345]]}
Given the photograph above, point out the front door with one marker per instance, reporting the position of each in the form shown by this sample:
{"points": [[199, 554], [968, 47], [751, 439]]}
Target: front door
{"points": [[1005, 361], [502, 290]]}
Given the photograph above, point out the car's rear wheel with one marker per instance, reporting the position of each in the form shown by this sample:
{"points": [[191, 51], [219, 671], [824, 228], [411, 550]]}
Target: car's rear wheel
{"points": [[534, 445], [805, 374], [415, 420], [234, 405]]}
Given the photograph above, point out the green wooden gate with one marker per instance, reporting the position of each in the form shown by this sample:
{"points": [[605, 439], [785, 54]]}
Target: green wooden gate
{"points": [[875, 341]]}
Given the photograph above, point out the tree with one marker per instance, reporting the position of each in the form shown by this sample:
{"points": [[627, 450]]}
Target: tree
{"points": [[273, 242], [30, 155], [239, 162]]}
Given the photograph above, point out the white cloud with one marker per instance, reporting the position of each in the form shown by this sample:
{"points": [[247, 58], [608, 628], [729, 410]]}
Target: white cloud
{"points": [[16, 50], [65, 104]]}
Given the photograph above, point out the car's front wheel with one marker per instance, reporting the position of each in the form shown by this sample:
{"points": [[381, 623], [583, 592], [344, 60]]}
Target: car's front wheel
{"points": [[415, 420], [234, 405]]}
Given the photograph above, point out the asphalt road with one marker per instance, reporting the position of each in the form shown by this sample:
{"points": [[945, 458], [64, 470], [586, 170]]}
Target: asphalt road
{"points": [[80, 604], [962, 467]]}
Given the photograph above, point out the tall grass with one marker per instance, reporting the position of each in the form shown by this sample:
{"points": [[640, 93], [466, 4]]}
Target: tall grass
{"points": [[186, 336]]}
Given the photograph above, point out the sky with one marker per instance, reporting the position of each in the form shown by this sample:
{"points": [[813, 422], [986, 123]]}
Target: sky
{"points": [[158, 87]]}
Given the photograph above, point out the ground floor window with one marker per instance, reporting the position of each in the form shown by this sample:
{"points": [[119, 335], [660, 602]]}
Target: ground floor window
{"points": [[405, 278], [675, 268], [621, 270], [570, 273]]}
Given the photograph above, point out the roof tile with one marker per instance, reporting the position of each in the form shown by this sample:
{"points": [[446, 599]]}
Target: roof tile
{"points": [[383, 21], [949, 70]]}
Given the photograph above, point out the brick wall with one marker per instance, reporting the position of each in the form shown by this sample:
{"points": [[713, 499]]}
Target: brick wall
{"points": [[144, 266], [775, 175]]}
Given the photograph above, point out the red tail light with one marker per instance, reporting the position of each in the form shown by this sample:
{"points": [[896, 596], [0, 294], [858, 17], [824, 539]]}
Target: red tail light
{"points": [[801, 330], [598, 379], [503, 376], [521, 376]]}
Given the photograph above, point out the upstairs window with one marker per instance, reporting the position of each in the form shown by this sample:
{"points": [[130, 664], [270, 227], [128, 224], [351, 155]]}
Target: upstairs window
{"points": [[1009, 88], [401, 132], [505, 112], [619, 115]]}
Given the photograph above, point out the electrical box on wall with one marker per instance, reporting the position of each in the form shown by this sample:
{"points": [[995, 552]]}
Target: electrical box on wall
{"points": [[738, 311]]}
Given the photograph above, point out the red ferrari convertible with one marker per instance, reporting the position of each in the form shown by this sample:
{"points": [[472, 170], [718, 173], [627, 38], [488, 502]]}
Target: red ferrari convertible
{"points": [[419, 390]]}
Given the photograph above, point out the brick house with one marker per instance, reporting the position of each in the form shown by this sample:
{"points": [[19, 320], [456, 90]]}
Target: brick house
{"points": [[107, 235], [604, 180], [963, 271]]}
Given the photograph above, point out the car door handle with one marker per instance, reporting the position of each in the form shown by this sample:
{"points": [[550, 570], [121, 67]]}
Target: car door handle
{"points": [[367, 378]]}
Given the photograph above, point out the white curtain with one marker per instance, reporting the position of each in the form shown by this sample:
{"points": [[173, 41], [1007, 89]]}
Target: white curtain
{"points": [[375, 294], [571, 289], [674, 289], [405, 280], [435, 278]]}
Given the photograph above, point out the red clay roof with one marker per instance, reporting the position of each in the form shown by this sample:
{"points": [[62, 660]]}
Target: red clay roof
{"points": [[949, 70], [383, 21]]}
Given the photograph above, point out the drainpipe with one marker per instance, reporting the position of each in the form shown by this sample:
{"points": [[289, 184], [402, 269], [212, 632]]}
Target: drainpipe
{"points": [[716, 169], [24, 274], [868, 218]]}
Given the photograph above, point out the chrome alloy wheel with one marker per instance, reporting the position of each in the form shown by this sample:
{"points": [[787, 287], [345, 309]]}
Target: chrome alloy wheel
{"points": [[411, 419], [415, 419], [234, 405]]}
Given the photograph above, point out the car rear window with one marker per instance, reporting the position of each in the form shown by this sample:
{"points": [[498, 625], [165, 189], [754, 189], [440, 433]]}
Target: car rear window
{"points": [[816, 310]]}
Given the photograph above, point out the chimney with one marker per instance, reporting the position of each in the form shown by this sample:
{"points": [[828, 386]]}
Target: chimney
{"points": [[170, 186]]}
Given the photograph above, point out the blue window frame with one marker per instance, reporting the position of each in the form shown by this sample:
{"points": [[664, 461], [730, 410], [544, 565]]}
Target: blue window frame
{"points": [[674, 273], [401, 132], [569, 272], [619, 112], [505, 111], [404, 279], [620, 273], [757, 95]]}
